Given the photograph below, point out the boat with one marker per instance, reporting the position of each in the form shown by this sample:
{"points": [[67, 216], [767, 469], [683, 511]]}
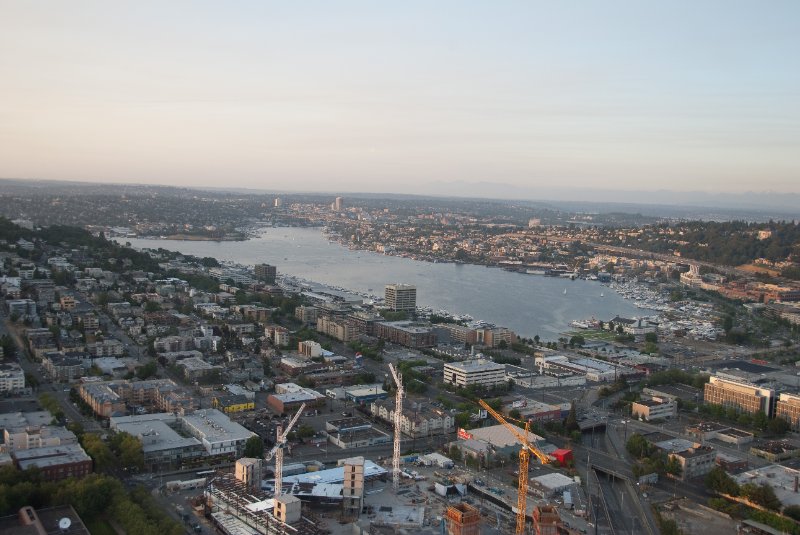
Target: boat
{"points": [[565, 291], [601, 294]]}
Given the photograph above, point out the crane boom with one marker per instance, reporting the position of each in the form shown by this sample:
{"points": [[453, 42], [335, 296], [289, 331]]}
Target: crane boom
{"points": [[398, 426], [277, 450], [523, 439], [524, 457]]}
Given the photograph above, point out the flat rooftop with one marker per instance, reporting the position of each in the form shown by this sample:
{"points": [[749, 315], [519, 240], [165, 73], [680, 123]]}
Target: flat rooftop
{"points": [[155, 435], [780, 478], [475, 365], [334, 475], [215, 426]]}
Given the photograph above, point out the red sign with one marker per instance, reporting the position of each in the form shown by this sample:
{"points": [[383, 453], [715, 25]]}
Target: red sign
{"points": [[464, 435]]}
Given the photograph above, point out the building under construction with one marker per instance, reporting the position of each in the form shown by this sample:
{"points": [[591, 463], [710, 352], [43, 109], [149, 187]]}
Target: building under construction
{"points": [[463, 519], [234, 507], [546, 520]]}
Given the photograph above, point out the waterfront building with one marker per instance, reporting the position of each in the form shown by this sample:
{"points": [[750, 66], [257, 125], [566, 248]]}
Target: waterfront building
{"points": [[401, 297], [266, 273], [407, 333]]}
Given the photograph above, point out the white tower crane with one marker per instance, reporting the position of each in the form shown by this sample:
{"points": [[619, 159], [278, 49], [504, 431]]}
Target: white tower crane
{"points": [[277, 450], [398, 416]]}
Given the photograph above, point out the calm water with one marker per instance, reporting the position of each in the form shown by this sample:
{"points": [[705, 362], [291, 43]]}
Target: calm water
{"points": [[528, 304]]}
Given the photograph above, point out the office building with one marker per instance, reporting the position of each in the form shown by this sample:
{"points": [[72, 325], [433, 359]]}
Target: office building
{"points": [[654, 409], [479, 372], [401, 297], [742, 396], [788, 408], [266, 273]]}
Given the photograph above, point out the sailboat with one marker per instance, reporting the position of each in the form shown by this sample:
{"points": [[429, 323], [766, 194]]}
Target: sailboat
{"points": [[601, 294], [565, 291]]}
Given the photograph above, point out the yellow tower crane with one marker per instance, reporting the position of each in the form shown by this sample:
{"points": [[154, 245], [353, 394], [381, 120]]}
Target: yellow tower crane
{"points": [[525, 452]]}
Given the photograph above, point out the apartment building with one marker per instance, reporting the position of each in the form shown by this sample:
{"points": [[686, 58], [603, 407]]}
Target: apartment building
{"points": [[12, 378], [407, 333]]}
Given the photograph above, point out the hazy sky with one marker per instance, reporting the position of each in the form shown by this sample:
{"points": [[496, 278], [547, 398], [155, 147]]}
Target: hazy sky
{"points": [[401, 96]]}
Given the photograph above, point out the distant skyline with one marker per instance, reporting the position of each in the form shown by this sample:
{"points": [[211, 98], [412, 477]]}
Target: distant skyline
{"points": [[412, 97]]}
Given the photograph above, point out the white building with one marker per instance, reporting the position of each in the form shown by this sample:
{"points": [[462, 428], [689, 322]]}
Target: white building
{"points": [[474, 372], [12, 378]]}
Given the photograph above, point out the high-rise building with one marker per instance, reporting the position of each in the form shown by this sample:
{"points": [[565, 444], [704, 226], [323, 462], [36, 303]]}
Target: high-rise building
{"points": [[401, 297], [353, 487], [338, 204], [266, 273], [277, 202]]}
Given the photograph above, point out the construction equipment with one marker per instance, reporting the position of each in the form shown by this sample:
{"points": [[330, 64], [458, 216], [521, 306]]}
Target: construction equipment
{"points": [[525, 452], [398, 428], [277, 450]]}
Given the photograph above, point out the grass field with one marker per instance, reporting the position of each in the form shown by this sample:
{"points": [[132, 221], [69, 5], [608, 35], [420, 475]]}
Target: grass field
{"points": [[588, 334]]}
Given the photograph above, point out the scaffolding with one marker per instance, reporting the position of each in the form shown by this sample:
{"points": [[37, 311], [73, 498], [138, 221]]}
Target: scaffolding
{"points": [[463, 519]]}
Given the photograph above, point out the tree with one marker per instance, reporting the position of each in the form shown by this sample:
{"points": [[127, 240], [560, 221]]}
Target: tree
{"points": [[792, 511], [651, 338], [763, 495], [719, 481], [571, 423], [151, 306], [254, 447], [638, 446], [148, 370]]}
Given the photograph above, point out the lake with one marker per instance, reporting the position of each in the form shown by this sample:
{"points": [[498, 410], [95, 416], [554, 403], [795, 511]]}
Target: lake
{"points": [[527, 304]]}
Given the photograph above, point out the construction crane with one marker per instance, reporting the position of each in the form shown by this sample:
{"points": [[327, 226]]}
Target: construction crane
{"points": [[398, 416], [525, 452], [277, 450]]}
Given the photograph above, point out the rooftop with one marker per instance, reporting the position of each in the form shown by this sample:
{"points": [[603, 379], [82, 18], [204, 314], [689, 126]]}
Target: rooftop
{"points": [[476, 365]]}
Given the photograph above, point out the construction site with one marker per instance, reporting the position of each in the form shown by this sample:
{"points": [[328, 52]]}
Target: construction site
{"points": [[423, 494]]}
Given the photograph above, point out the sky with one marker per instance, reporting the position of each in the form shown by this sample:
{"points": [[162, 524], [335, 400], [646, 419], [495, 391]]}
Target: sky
{"points": [[409, 97]]}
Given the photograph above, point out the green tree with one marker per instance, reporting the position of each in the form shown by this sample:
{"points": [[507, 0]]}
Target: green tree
{"points": [[571, 423], [719, 481], [254, 447]]}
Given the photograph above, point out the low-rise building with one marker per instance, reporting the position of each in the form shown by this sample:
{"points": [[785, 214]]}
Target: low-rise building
{"points": [[416, 422], [654, 409], [55, 462], [407, 333], [12, 377], [479, 372], [233, 403]]}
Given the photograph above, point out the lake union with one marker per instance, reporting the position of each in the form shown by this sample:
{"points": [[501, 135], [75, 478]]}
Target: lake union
{"points": [[527, 304]]}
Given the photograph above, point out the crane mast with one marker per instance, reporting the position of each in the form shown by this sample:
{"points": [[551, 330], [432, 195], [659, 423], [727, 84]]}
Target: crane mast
{"points": [[277, 450], [525, 452], [398, 416]]}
